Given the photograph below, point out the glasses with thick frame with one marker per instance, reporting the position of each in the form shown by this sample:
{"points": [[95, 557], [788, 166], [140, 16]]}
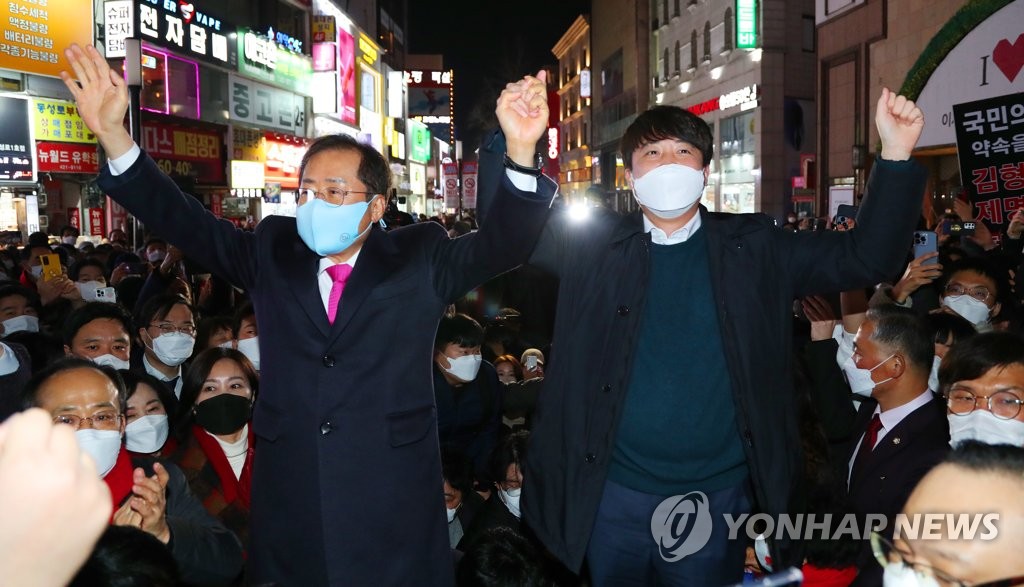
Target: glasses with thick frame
{"points": [[980, 292], [1002, 404], [168, 328], [886, 552], [107, 420], [334, 196]]}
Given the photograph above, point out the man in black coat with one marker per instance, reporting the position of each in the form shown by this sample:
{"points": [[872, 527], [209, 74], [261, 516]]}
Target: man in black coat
{"points": [[673, 372], [347, 476]]}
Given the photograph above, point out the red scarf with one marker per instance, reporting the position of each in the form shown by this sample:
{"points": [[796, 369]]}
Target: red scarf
{"points": [[120, 479], [822, 577], [232, 488]]}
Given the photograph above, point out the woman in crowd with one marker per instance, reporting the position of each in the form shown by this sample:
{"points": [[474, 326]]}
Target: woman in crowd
{"points": [[216, 448], [508, 368], [502, 509], [148, 427]]}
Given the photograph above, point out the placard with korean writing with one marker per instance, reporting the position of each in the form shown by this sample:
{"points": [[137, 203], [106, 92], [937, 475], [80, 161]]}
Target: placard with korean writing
{"points": [[990, 146], [118, 25], [187, 152], [186, 28], [67, 157], [261, 57], [17, 161], [57, 120], [35, 33], [261, 105]]}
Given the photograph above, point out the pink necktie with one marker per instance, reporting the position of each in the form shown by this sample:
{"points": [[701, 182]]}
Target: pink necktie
{"points": [[339, 274]]}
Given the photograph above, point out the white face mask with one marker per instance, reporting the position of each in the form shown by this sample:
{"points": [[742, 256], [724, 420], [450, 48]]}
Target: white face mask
{"points": [[68, 240], [250, 347], [102, 446], [109, 360], [451, 513], [933, 377], [156, 256], [464, 368], [668, 191], [510, 497], [36, 271], [900, 575], [860, 379], [146, 434], [21, 324], [982, 426], [968, 308], [173, 348]]}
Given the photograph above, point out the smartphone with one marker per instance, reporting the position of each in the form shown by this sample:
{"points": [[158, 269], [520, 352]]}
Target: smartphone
{"points": [[531, 363], [926, 242], [106, 294], [136, 268], [846, 212], [967, 229], [51, 266]]}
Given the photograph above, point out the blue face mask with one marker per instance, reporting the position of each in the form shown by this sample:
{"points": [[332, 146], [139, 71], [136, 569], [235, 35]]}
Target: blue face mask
{"points": [[328, 229]]}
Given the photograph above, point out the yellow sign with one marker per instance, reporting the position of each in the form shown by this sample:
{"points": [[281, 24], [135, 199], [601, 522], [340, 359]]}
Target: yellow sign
{"points": [[57, 120], [248, 145], [37, 31], [368, 49]]}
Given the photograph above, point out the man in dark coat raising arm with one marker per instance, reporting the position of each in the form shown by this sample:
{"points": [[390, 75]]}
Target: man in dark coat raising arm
{"points": [[347, 486]]}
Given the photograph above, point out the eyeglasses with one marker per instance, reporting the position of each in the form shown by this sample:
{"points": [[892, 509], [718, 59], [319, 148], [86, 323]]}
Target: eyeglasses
{"points": [[168, 328], [980, 293], [886, 553], [1003, 404], [101, 421], [331, 195]]}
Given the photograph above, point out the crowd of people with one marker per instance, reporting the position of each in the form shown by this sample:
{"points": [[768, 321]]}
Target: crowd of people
{"points": [[262, 409]]}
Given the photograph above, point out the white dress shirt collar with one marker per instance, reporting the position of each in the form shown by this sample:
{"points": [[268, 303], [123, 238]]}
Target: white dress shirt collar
{"points": [[659, 237]]}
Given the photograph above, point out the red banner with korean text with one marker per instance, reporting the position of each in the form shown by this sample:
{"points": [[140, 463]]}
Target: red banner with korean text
{"points": [[96, 222], [74, 218], [67, 157], [283, 155], [990, 146], [187, 152]]}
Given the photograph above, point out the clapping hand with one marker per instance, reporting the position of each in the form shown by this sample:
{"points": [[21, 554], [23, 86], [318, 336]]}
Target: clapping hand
{"points": [[899, 123], [523, 115]]}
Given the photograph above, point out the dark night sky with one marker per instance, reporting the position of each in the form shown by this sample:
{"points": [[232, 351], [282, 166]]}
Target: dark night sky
{"points": [[488, 43]]}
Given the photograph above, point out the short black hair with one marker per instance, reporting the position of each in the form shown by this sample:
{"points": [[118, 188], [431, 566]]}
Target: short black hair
{"points": [[132, 379], [456, 468], [155, 240], [128, 557], [373, 168], [511, 450], [904, 331], [458, 329], [27, 251], [77, 266], [975, 356], [95, 311], [207, 327], [246, 310], [980, 457], [43, 349], [157, 308], [502, 558], [20, 290], [945, 326], [982, 267], [667, 122], [30, 394], [71, 229]]}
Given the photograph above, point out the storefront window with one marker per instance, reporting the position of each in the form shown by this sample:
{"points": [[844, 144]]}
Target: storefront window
{"points": [[736, 154], [169, 85]]}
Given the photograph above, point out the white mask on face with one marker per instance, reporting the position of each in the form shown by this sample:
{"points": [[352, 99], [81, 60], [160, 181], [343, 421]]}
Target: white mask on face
{"points": [[250, 347], [146, 434], [668, 191], [109, 360], [984, 427], [173, 348], [970, 309], [933, 377], [68, 240], [451, 513], [102, 446], [21, 324], [156, 256], [900, 575], [464, 368], [36, 271], [510, 497], [860, 379]]}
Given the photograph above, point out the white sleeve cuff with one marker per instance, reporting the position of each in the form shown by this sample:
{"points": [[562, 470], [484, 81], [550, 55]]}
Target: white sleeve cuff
{"points": [[522, 181], [121, 164], [8, 361]]}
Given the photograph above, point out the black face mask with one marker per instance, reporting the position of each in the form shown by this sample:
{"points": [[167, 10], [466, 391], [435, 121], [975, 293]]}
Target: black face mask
{"points": [[223, 414]]}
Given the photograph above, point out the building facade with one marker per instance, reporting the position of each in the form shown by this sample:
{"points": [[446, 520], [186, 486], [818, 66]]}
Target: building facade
{"points": [[572, 145]]}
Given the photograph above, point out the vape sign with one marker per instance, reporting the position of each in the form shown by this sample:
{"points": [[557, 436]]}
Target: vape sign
{"points": [[182, 26]]}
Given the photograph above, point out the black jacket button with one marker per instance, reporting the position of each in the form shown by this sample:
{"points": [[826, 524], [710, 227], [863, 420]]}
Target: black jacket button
{"points": [[590, 458], [623, 310], [326, 428], [328, 361], [606, 388]]}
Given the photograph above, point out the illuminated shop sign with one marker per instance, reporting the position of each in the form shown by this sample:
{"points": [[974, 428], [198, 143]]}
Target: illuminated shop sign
{"points": [[181, 26]]}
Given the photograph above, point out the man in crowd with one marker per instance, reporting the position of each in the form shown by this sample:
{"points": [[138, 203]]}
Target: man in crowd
{"points": [[673, 362], [345, 481]]}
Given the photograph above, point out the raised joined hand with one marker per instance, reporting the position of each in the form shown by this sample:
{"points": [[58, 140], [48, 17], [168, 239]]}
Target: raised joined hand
{"points": [[899, 123]]}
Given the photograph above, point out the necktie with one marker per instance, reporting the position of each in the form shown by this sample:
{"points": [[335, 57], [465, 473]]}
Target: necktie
{"points": [[866, 446], [339, 274]]}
